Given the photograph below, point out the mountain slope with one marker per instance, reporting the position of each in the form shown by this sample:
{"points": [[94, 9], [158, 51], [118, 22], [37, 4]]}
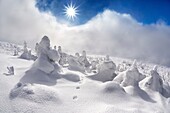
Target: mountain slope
{"points": [[84, 96]]}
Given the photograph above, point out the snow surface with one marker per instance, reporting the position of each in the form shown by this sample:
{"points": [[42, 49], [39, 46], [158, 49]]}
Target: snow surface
{"points": [[77, 92]]}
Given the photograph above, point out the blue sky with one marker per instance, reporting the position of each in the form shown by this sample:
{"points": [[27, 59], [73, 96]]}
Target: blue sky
{"points": [[144, 11]]}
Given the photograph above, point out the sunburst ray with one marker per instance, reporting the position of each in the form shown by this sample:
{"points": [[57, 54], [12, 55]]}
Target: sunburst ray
{"points": [[71, 11]]}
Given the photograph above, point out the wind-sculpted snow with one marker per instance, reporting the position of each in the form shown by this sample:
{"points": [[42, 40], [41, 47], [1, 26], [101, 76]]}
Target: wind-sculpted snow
{"points": [[154, 82], [108, 85], [106, 72], [112, 87], [46, 69], [35, 93], [129, 77]]}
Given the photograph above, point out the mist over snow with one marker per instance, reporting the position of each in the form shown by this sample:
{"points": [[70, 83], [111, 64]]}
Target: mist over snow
{"points": [[107, 33]]}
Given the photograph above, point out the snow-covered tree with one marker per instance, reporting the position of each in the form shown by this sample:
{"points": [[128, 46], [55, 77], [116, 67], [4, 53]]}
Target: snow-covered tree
{"points": [[132, 76], [154, 81], [46, 57], [36, 47], [26, 54], [74, 64], [107, 58], [83, 59]]}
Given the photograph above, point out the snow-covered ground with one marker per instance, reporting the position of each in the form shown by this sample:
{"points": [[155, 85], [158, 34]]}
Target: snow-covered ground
{"points": [[68, 94]]}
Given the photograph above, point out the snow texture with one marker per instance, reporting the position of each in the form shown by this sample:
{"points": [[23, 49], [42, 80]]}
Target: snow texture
{"points": [[107, 85]]}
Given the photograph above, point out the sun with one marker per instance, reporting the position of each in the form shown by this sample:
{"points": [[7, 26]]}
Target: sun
{"points": [[71, 11]]}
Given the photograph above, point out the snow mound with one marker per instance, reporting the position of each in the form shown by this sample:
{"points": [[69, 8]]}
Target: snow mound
{"points": [[105, 73], [39, 77], [136, 91], [19, 90], [129, 77], [71, 76], [35, 93], [111, 86], [75, 65]]}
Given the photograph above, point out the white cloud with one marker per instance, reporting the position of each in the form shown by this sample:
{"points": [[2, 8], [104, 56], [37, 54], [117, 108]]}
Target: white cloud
{"points": [[20, 20], [107, 33]]}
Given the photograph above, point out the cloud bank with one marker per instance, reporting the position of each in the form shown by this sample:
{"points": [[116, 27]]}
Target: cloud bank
{"points": [[107, 33]]}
